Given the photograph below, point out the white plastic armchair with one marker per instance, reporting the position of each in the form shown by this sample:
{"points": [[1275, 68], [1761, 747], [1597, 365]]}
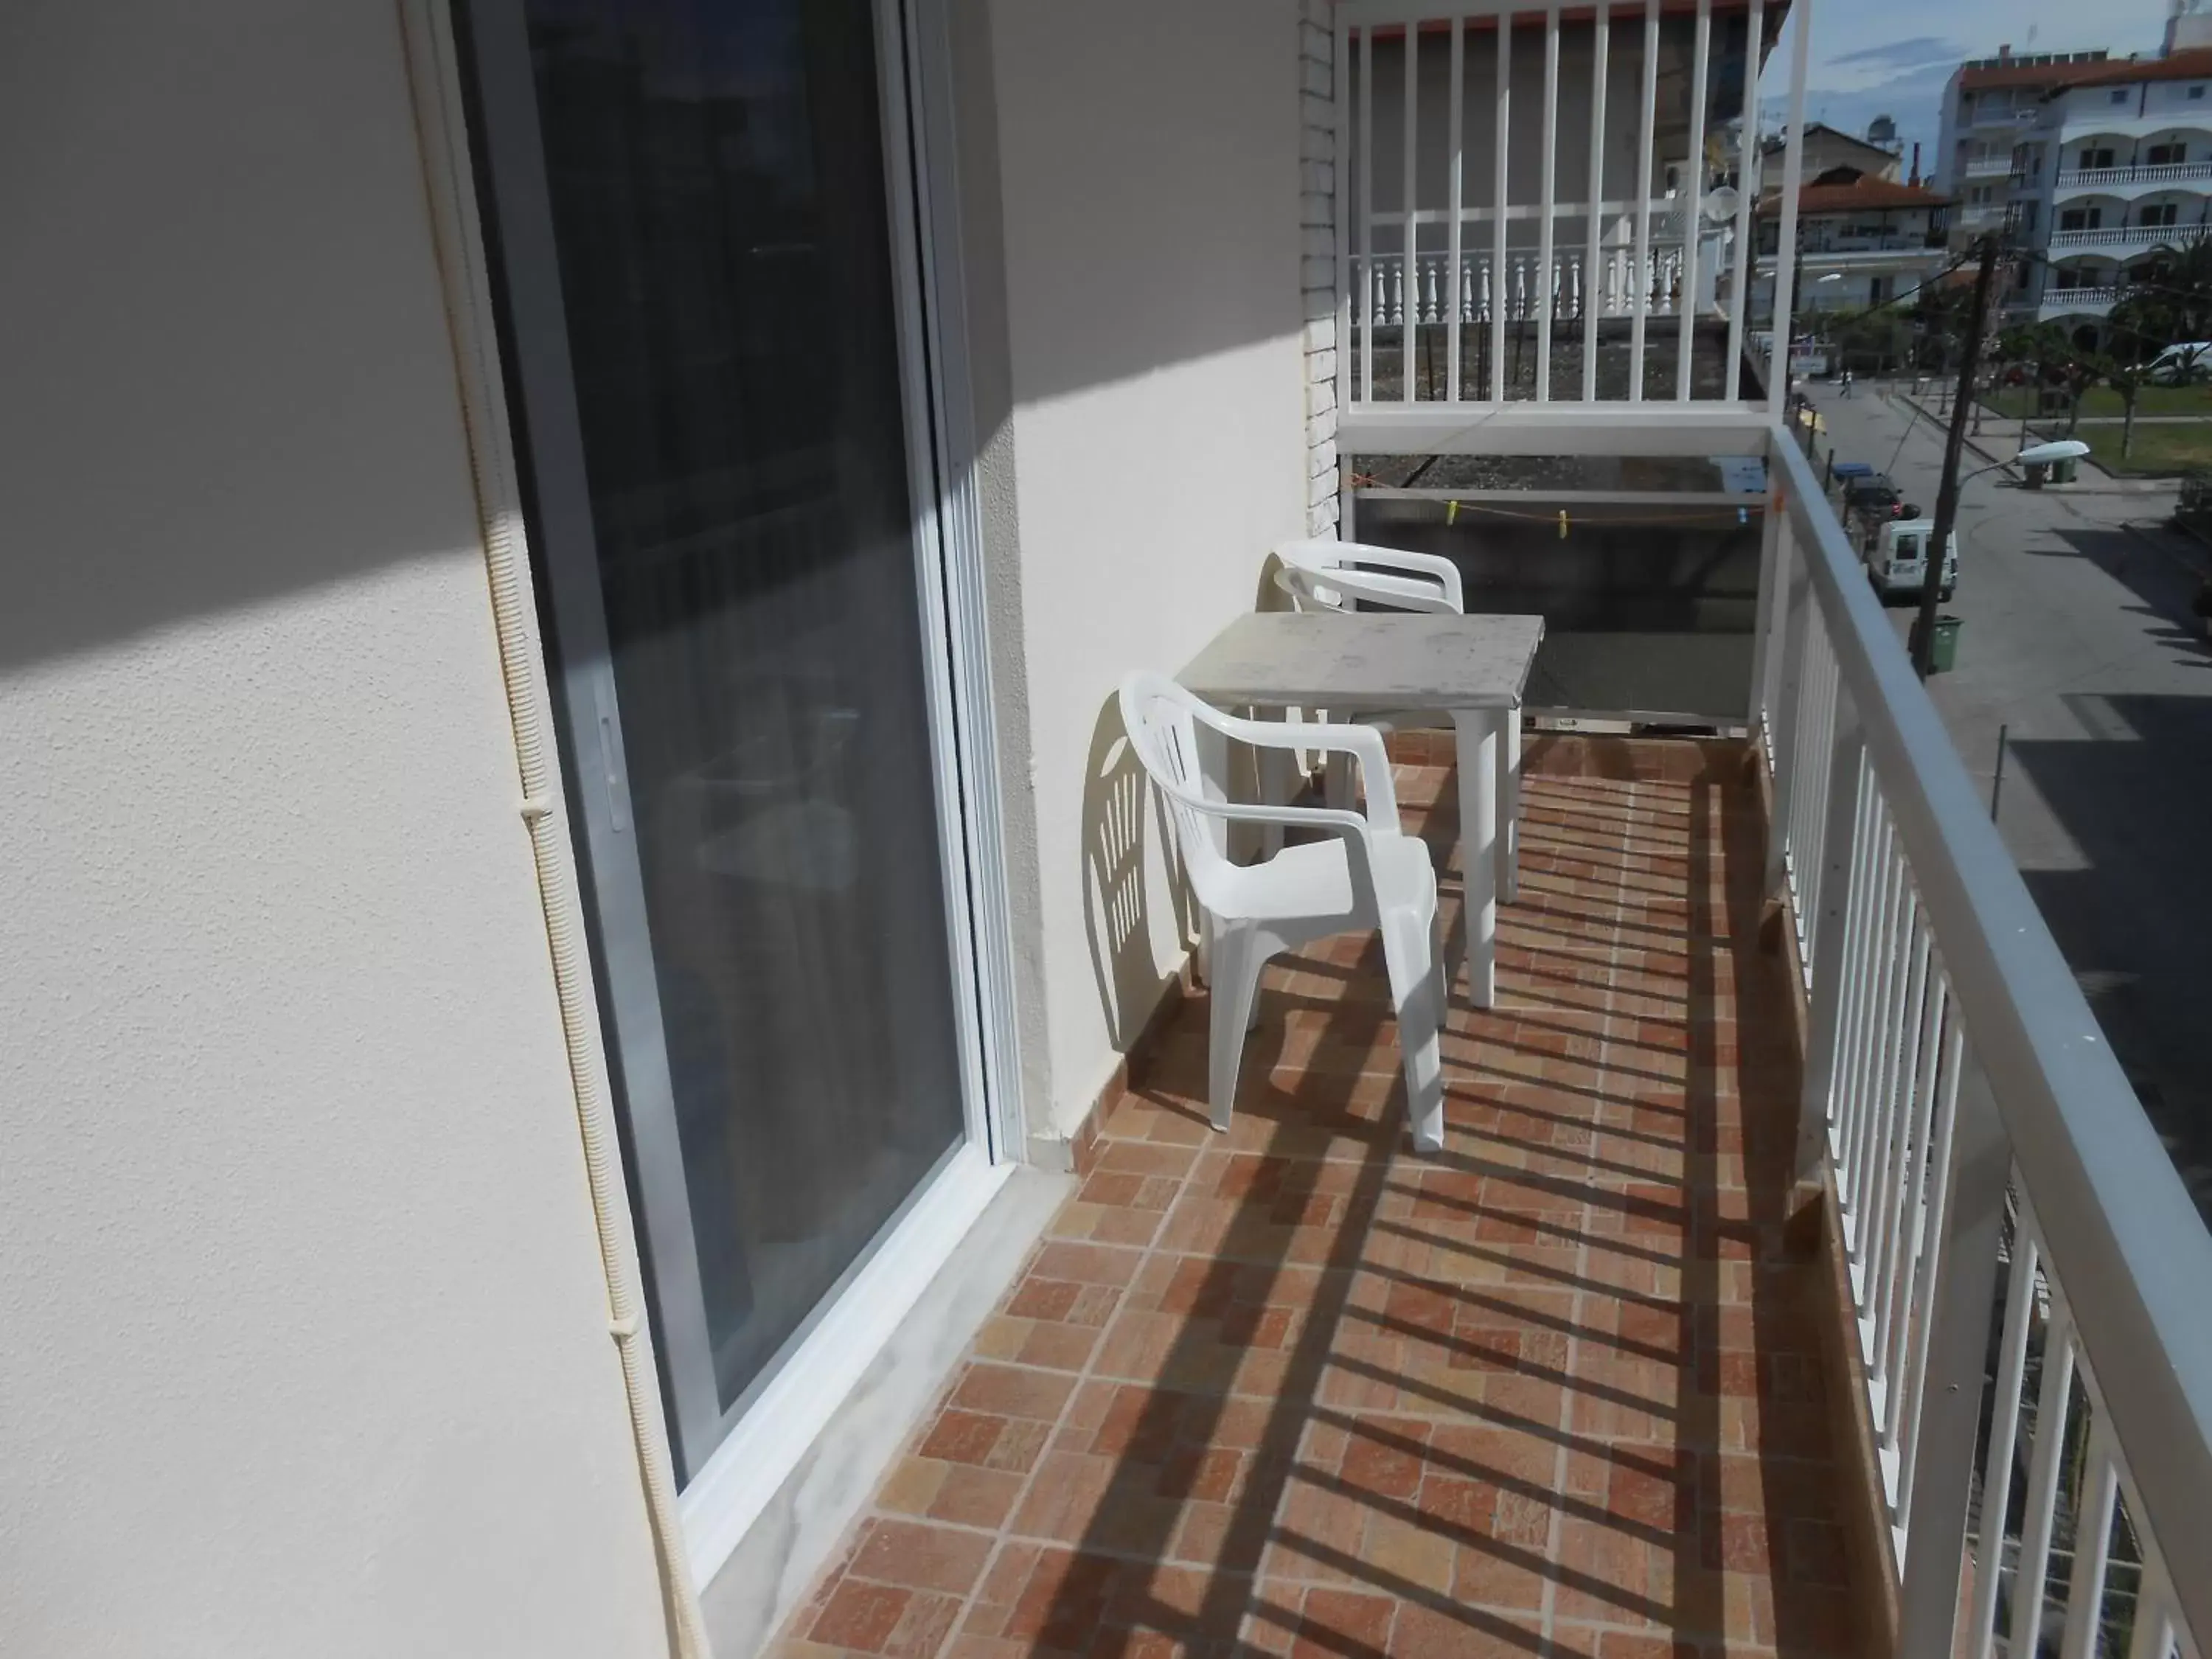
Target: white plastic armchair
{"points": [[1339, 576], [1333, 576], [1365, 871], [1322, 575]]}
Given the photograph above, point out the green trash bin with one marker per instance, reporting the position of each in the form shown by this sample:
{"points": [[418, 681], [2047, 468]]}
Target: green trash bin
{"points": [[2063, 472], [1943, 654]]}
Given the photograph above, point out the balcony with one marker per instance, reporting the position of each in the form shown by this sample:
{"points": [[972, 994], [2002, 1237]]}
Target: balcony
{"points": [[2085, 301], [1989, 167], [1787, 1104], [2126, 236], [2093, 181]]}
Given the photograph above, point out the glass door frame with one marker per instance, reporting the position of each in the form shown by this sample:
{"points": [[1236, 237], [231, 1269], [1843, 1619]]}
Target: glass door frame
{"points": [[739, 1456]]}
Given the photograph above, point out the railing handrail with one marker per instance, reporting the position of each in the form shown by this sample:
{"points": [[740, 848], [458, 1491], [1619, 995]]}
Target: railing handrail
{"points": [[2134, 1257]]}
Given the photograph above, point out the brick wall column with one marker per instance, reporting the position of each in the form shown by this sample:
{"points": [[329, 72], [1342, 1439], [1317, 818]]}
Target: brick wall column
{"points": [[1317, 199]]}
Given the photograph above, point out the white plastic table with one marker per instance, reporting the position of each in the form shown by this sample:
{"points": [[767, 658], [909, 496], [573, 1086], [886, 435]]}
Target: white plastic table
{"points": [[1475, 667]]}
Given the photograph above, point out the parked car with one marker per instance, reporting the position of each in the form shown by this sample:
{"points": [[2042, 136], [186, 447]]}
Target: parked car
{"points": [[1873, 497], [2181, 363], [1897, 561]]}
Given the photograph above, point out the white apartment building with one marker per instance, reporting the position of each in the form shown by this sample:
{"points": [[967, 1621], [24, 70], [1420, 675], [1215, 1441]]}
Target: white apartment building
{"points": [[2116, 171], [1987, 103]]}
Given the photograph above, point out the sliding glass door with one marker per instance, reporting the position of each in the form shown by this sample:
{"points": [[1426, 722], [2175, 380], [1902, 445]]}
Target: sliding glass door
{"points": [[705, 276]]}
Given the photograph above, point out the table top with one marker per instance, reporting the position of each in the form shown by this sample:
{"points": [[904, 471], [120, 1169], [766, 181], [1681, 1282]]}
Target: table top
{"points": [[1387, 659]]}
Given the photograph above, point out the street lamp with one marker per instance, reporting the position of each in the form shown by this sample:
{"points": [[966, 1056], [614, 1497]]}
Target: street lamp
{"points": [[2058, 449]]}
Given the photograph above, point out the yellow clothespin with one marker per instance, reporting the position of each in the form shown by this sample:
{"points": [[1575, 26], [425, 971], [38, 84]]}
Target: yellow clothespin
{"points": [[1563, 523], [1451, 512]]}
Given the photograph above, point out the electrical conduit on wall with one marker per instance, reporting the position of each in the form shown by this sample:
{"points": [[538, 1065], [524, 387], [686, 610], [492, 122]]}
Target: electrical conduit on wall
{"points": [[441, 129]]}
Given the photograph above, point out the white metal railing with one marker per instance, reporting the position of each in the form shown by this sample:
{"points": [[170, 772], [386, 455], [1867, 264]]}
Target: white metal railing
{"points": [[1959, 1093], [2165, 172], [1480, 235], [2129, 236], [1988, 167]]}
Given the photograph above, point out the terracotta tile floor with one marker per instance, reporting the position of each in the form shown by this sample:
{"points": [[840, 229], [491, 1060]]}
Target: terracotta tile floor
{"points": [[1292, 1390]]}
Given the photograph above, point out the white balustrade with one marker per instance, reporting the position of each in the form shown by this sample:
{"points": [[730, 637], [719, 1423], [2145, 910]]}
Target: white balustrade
{"points": [[1516, 267], [1961, 1100]]}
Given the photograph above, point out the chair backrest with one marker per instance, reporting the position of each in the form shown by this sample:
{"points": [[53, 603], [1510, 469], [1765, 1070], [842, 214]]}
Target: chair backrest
{"points": [[1340, 577], [1343, 591], [1162, 719]]}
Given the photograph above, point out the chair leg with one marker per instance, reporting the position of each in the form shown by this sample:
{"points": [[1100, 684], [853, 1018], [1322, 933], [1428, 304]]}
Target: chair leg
{"points": [[1409, 947], [1235, 987]]}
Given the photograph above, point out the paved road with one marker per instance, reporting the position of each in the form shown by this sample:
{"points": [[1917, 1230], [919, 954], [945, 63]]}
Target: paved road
{"points": [[2078, 638]]}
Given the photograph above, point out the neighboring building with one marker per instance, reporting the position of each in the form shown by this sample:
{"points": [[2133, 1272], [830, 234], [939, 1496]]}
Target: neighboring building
{"points": [[1828, 147], [2116, 173], [1861, 241], [1986, 105]]}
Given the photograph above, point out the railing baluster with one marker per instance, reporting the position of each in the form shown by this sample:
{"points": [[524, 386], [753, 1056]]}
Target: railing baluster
{"points": [[1601, 36], [1934, 1544], [2092, 1542], [1913, 1008], [1456, 276], [1876, 1031], [1700, 50], [2004, 1429], [1645, 132], [1498, 192], [2045, 1456], [1546, 294], [1746, 186], [1408, 194], [1845, 763], [1906, 1244], [2154, 1616], [1367, 211], [1945, 1084], [1854, 926]]}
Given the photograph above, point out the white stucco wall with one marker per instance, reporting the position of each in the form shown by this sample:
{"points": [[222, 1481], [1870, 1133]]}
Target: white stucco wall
{"points": [[305, 1348], [1149, 183]]}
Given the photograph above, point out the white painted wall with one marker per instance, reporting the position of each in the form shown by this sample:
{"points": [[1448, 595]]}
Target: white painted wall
{"points": [[305, 1348], [1150, 210]]}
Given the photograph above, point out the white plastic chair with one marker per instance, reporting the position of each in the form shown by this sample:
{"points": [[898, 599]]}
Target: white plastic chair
{"points": [[1339, 576], [1321, 575], [1365, 872]]}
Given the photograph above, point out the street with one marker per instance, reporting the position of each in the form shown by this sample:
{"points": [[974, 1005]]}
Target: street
{"points": [[2079, 639]]}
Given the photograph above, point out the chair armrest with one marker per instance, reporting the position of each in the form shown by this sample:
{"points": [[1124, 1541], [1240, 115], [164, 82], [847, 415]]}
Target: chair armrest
{"points": [[1363, 743], [1357, 833], [1433, 566]]}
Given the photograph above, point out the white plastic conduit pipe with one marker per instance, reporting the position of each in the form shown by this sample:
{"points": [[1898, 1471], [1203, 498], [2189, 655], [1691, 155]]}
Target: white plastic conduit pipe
{"points": [[443, 130]]}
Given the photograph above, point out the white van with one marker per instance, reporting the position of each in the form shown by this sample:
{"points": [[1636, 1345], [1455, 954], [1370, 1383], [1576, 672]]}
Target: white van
{"points": [[2185, 360], [1897, 562]]}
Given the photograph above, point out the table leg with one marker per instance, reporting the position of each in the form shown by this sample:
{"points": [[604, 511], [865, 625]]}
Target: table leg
{"points": [[1508, 807], [1479, 743]]}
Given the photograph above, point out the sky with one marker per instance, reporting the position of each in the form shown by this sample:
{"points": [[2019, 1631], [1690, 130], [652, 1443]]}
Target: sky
{"points": [[1893, 56]]}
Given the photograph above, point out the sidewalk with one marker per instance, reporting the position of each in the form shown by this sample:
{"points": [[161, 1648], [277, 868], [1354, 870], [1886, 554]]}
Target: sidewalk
{"points": [[1995, 451]]}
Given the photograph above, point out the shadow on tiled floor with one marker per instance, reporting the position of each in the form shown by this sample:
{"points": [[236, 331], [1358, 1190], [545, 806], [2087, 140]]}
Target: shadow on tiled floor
{"points": [[1292, 1390]]}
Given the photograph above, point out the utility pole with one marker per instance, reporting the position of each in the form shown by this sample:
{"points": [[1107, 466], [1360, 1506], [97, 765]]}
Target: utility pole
{"points": [[1947, 497]]}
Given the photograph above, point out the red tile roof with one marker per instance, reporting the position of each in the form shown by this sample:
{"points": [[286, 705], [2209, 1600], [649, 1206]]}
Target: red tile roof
{"points": [[2190, 63], [1866, 191]]}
